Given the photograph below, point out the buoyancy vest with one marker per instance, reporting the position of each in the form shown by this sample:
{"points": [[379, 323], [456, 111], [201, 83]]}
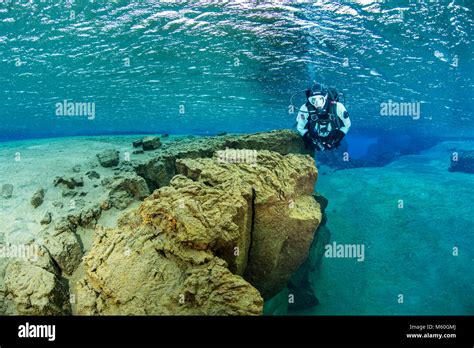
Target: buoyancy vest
{"points": [[321, 124]]}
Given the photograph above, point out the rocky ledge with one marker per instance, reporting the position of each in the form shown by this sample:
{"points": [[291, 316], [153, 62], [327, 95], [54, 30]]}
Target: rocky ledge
{"points": [[220, 233]]}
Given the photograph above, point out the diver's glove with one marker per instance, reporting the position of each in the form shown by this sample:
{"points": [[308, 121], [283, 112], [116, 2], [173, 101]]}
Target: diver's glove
{"points": [[312, 144], [308, 141], [336, 136]]}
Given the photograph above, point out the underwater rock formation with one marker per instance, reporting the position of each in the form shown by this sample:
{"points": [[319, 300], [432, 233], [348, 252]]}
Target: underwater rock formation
{"points": [[71, 183], [63, 245], [159, 170], [34, 287], [300, 284], [300, 292], [93, 175], [150, 143], [207, 242], [7, 190], [108, 158], [232, 218], [147, 143], [37, 198], [160, 258], [46, 219], [76, 169], [124, 189], [282, 200]]}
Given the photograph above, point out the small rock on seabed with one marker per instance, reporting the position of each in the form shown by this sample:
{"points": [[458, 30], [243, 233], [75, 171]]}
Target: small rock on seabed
{"points": [[7, 190], [37, 198], [108, 158]]}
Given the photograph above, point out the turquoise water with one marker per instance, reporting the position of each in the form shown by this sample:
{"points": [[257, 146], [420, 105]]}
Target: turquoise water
{"points": [[206, 67], [423, 251], [233, 65]]}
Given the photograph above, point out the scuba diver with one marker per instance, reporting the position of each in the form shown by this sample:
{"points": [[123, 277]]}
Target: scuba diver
{"points": [[322, 121]]}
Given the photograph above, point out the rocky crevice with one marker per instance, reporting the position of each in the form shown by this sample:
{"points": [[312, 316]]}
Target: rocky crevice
{"points": [[252, 226], [199, 224], [208, 235]]}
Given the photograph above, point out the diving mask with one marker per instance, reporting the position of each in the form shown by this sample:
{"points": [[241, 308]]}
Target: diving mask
{"points": [[317, 101]]}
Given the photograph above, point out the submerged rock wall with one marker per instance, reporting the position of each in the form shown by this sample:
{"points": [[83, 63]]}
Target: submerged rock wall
{"points": [[215, 238], [284, 212], [159, 170], [214, 241], [300, 292]]}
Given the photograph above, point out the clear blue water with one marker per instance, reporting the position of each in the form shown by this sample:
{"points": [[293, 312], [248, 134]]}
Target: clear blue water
{"points": [[205, 67], [233, 65]]}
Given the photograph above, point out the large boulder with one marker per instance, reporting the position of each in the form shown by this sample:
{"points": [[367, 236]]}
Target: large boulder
{"points": [[34, 287], [285, 214], [63, 245], [108, 158], [161, 260], [126, 188], [300, 292], [150, 143], [207, 242]]}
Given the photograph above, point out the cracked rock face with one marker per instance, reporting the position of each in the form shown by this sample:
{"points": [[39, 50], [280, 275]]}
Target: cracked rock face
{"points": [[160, 170], [160, 259], [285, 213], [214, 239], [213, 242], [35, 287], [63, 245]]}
